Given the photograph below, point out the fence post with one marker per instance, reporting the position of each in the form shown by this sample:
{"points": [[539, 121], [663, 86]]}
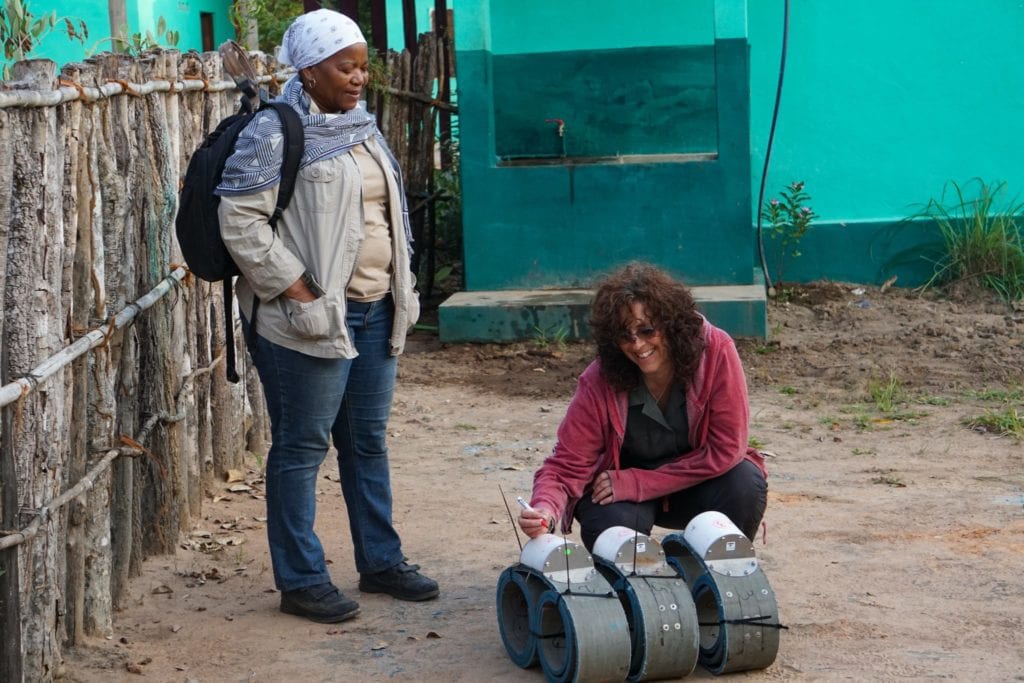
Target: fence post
{"points": [[10, 596]]}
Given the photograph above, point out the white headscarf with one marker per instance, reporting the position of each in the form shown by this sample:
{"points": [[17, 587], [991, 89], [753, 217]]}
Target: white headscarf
{"points": [[315, 36]]}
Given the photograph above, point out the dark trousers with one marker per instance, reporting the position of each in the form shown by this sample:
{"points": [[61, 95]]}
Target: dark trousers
{"points": [[741, 494]]}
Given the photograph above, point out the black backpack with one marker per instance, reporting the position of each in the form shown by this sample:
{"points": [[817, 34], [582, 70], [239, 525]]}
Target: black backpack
{"points": [[197, 225]]}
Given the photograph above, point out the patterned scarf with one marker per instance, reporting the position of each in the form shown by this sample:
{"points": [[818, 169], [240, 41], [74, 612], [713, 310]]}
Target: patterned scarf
{"points": [[315, 36], [259, 152]]}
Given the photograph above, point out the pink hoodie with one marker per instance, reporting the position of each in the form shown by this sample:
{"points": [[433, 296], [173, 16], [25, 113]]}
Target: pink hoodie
{"points": [[592, 431]]}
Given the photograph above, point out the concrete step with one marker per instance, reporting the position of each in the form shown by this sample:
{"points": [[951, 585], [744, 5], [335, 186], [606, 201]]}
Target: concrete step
{"points": [[553, 314]]}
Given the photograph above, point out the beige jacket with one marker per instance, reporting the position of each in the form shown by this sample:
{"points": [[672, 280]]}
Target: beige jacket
{"points": [[321, 232]]}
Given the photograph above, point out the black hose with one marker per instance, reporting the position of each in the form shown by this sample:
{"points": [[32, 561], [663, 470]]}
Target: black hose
{"points": [[768, 152]]}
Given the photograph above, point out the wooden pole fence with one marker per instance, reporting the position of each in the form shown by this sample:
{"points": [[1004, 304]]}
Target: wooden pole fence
{"points": [[91, 161]]}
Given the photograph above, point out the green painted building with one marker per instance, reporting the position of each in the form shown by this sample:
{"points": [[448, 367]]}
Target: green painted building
{"points": [[201, 25], [883, 103], [592, 134], [666, 106]]}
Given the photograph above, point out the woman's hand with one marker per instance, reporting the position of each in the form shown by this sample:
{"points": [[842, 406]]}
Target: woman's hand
{"points": [[537, 522], [300, 292], [604, 490]]}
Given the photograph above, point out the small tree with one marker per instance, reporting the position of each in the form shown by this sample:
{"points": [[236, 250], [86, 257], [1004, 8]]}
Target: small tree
{"points": [[272, 17], [21, 32], [788, 221]]}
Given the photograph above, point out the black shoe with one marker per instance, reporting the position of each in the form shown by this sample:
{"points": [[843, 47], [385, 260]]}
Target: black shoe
{"points": [[403, 581], [324, 604]]}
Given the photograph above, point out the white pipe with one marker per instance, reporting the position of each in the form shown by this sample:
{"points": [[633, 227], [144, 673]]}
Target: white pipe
{"points": [[11, 392], [70, 93]]}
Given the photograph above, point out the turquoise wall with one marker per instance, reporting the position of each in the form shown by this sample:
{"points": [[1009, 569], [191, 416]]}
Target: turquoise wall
{"points": [[56, 45], [180, 15], [183, 17], [571, 25], [883, 103], [548, 22]]}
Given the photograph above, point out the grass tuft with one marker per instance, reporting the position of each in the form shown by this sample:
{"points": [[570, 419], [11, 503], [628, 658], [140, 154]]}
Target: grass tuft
{"points": [[887, 394], [997, 395], [1007, 422], [982, 238]]}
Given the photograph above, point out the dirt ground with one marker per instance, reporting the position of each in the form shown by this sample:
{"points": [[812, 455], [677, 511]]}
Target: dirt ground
{"points": [[894, 538]]}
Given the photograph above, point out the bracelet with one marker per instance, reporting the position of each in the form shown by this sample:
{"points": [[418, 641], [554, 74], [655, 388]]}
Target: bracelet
{"points": [[312, 284]]}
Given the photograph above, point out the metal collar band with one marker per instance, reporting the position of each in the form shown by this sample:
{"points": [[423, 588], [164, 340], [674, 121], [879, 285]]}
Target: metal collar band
{"points": [[555, 609], [645, 610], [736, 609]]}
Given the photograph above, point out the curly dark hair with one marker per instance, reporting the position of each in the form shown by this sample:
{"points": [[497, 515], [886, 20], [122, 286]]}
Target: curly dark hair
{"points": [[671, 309]]}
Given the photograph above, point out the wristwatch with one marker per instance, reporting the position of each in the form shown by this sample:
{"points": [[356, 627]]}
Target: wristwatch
{"points": [[314, 286]]}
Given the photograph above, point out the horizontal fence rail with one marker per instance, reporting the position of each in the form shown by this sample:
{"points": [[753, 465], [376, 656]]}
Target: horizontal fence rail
{"points": [[9, 393]]}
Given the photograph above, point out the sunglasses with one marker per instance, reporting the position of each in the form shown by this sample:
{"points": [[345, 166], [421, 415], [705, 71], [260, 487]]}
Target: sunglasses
{"points": [[645, 333]]}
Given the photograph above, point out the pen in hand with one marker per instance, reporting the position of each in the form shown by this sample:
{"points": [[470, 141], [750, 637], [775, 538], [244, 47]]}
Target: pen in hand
{"points": [[527, 506]]}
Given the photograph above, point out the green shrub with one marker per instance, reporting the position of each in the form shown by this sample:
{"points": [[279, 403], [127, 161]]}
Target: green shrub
{"points": [[981, 236], [788, 218]]}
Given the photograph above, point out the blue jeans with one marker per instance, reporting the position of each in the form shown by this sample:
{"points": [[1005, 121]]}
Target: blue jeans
{"points": [[310, 400]]}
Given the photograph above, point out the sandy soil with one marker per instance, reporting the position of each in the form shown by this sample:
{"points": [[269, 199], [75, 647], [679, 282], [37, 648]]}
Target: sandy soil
{"points": [[894, 538]]}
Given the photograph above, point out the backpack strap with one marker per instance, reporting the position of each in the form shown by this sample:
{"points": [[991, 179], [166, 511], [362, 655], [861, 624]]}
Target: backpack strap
{"points": [[294, 144], [229, 332]]}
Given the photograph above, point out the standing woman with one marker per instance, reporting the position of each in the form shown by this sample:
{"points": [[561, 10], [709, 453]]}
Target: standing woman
{"points": [[335, 299], [657, 430]]}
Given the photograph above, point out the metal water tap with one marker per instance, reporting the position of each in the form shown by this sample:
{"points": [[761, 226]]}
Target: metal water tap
{"points": [[561, 126], [561, 132]]}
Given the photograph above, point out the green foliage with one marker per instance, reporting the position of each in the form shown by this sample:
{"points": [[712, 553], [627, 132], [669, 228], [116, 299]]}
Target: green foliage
{"points": [[982, 238], [380, 73], [789, 218], [1007, 422], [545, 338], [137, 43], [887, 396], [935, 400], [889, 480], [448, 217], [911, 416], [272, 16], [754, 442], [21, 32], [79, 32], [561, 335], [442, 276], [863, 422], [1000, 395], [886, 393]]}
